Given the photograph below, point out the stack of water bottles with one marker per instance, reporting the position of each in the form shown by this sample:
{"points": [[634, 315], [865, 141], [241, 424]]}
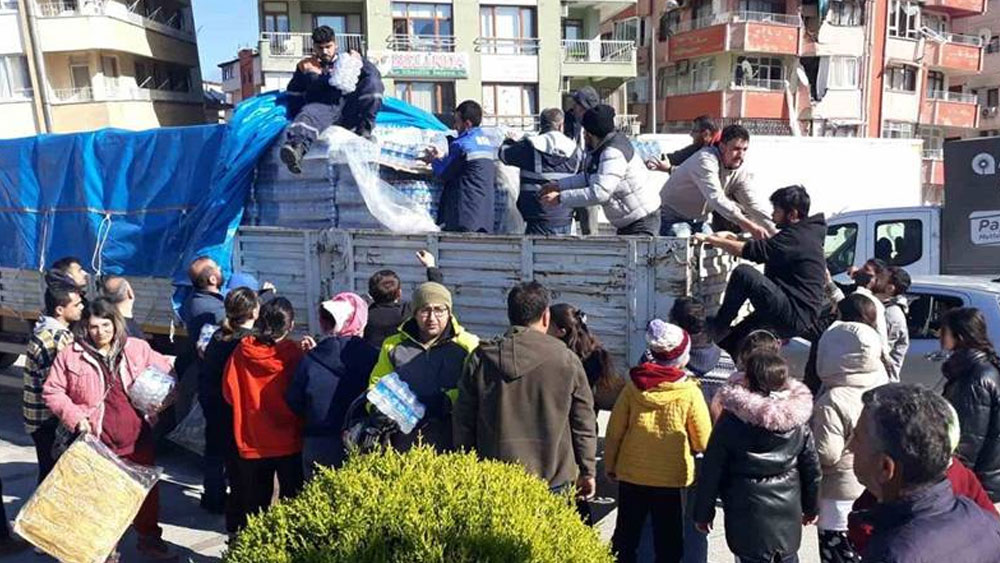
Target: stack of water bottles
{"points": [[647, 149], [346, 71], [393, 398]]}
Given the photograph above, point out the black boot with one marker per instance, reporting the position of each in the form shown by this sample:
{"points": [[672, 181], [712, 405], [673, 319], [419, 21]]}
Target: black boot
{"points": [[291, 155]]}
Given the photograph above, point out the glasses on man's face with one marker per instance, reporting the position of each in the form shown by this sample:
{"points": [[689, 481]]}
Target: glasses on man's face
{"points": [[438, 311]]}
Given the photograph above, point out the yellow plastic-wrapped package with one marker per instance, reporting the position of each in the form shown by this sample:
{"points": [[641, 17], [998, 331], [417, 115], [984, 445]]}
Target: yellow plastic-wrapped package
{"points": [[83, 507]]}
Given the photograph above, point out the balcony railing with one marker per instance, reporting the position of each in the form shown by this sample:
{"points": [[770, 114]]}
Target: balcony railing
{"points": [[946, 96], [598, 51], [298, 45], [792, 20], [758, 84], [933, 154], [522, 122], [16, 94], [124, 89], [159, 20], [422, 43], [956, 38], [687, 89], [507, 45], [72, 95]]}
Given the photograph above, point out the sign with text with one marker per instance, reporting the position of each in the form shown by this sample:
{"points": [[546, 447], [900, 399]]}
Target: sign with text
{"points": [[985, 228], [416, 64]]}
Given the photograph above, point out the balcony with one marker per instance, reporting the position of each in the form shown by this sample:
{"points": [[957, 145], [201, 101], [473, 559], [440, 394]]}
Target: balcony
{"points": [[957, 8], [597, 58], [747, 99], [507, 46], [281, 51], [758, 32], [949, 109], [932, 167], [624, 123], [958, 54], [606, 9], [123, 90], [422, 43]]}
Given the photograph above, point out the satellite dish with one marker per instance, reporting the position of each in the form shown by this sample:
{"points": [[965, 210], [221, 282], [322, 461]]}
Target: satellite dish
{"points": [[984, 35]]}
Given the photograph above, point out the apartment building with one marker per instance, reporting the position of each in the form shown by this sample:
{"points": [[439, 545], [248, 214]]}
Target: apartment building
{"points": [[986, 85], [79, 65], [889, 68], [242, 77], [514, 56]]}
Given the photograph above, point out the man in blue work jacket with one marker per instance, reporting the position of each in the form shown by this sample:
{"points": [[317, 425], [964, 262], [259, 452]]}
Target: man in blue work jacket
{"points": [[468, 172]]}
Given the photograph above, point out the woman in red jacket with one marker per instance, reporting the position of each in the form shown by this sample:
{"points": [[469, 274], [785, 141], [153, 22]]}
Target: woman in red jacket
{"points": [[88, 391], [268, 434]]}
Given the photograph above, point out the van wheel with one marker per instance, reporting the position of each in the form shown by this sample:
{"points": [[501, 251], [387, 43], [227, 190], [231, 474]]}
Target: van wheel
{"points": [[7, 360]]}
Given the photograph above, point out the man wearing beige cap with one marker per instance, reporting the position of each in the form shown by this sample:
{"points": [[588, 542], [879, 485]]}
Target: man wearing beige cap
{"points": [[428, 354]]}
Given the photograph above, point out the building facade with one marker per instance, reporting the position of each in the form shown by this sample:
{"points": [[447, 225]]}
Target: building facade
{"points": [[79, 65], [242, 77], [514, 56], [873, 68], [985, 86]]}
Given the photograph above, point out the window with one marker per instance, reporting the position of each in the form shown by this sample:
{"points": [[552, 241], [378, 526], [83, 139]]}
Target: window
{"points": [[340, 23], [933, 138], [834, 130], [693, 76], [639, 90], [759, 72], [846, 13], [993, 97], [903, 16], [934, 23], [8, 5], [508, 30], [630, 29], [897, 130], [275, 16], [435, 97], [670, 22], [514, 105], [899, 243], [228, 72], [935, 82], [994, 44], [421, 19], [109, 66], [901, 78], [843, 73], [926, 309], [764, 6], [572, 30], [14, 80], [80, 74], [839, 247], [701, 13]]}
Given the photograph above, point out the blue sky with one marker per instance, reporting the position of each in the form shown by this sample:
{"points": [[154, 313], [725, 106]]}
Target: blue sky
{"points": [[224, 26]]}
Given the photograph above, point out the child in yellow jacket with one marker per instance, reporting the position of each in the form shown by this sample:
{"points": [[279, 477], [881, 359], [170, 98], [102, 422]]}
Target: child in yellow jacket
{"points": [[659, 422]]}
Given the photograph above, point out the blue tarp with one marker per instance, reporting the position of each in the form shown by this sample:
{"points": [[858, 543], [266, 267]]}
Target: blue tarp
{"points": [[142, 203]]}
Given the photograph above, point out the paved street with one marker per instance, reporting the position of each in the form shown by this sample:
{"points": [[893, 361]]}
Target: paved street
{"points": [[198, 536]]}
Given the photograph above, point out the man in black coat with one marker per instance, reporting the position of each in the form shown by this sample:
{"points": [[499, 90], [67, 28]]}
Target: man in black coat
{"points": [[788, 296]]}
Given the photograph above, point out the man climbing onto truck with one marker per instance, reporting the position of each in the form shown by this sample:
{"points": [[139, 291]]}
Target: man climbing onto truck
{"points": [[788, 296], [323, 103]]}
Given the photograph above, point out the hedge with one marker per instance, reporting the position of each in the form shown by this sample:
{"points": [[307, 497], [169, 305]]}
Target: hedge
{"points": [[420, 507]]}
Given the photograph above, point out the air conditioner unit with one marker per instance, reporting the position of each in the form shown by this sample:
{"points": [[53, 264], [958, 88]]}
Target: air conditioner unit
{"points": [[989, 111]]}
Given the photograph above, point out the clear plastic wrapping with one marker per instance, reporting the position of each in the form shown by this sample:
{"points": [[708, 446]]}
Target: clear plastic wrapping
{"points": [[83, 507], [152, 391], [346, 72]]}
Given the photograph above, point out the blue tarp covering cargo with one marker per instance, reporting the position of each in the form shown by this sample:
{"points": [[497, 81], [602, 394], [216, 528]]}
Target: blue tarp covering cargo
{"points": [[142, 203]]}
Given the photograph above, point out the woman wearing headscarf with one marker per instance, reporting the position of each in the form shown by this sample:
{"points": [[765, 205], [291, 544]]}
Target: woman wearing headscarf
{"points": [[331, 376]]}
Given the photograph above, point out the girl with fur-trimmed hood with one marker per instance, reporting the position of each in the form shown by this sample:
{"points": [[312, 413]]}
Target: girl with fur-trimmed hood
{"points": [[762, 462]]}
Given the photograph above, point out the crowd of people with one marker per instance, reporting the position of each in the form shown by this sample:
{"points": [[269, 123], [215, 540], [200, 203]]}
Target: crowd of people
{"points": [[886, 471]]}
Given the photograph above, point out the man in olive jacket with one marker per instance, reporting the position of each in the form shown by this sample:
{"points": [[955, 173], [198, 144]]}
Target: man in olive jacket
{"points": [[524, 398]]}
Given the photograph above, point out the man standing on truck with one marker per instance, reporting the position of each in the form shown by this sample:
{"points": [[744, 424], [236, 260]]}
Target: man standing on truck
{"points": [[324, 103], [788, 296], [714, 180], [51, 334], [469, 174], [546, 157], [615, 177], [583, 99]]}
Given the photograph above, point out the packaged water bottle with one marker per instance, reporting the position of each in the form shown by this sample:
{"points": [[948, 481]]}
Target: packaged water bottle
{"points": [[393, 398]]}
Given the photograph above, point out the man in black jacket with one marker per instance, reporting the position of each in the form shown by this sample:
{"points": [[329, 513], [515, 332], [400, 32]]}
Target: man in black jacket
{"points": [[546, 157], [387, 310], [788, 296], [704, 133]]}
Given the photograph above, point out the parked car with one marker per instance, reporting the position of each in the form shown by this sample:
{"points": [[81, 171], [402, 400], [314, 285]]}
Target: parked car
{"points": [[930, 297]]}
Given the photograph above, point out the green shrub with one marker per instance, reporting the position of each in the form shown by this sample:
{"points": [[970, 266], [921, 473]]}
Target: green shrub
{"points": [[421, 507]]}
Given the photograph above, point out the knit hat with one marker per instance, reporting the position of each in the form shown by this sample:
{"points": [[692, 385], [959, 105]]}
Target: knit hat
{"points": [[587, 97], [430, 293], [599, 121], [668, 344]]}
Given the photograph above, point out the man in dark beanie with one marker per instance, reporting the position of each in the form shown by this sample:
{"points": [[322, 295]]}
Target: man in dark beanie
{"points": [[614, 177], [583, 99]]}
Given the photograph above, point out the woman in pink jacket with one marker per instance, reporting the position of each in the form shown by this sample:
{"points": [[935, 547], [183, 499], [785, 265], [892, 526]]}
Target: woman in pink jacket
{"points": [[87, 389]]}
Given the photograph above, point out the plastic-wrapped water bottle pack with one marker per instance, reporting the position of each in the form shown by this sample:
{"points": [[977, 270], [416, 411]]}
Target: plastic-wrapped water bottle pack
{"points": [[346, 71], [152, 391]]}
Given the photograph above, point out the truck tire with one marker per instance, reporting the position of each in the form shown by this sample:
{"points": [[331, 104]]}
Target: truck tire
{"points": [[7, 360]]}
